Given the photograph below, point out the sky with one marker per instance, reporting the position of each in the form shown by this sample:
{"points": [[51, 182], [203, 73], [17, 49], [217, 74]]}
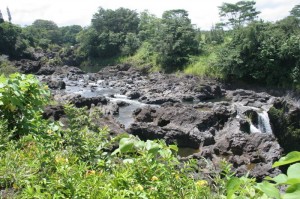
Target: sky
{"points": [[203, 13]]}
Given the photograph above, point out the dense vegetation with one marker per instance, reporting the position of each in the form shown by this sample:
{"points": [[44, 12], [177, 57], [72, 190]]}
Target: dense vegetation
{"points": [[44, 159], [239, 47]]}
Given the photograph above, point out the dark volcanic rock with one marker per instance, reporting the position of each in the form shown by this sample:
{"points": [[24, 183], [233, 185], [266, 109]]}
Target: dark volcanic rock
{"points": [[28, 66], [56, 84], [182, 125], [133, 95], [111, 108], [80, 101], [242, 149], [146, 131], [53, 111], [46, 70], [160, 100], [210, 92], [145, 114]]}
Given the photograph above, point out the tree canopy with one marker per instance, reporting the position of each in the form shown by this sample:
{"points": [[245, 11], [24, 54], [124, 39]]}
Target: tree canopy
{"points": [[238, 14], [176, 39], [295, 11]]}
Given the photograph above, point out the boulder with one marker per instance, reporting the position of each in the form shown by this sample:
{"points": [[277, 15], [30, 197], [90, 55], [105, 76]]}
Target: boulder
{"points": [[56, 84], [54, 112], [28, 66], [80, 101]]}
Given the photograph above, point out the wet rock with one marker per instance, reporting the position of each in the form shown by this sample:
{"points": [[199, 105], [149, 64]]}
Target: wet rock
{"points": [[110, 109], [160, 100], [133, 94], [122, 103]]}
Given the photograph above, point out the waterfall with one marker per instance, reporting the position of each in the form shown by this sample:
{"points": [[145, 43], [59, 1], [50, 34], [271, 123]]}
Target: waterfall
{"points": [[264, 122]]}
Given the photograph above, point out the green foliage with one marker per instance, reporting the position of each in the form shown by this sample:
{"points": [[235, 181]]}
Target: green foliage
{"points": [[215, 36], [12, 42], [79, 161], [69, 34], [176, 40], [295, 11], [291, 180], [286, 127], [148, 26], [5, 67], [21, 100], [131, 44], [42, 33], [202, 65], [263, 52], [145, 55], [238, 14], [112, 32]]}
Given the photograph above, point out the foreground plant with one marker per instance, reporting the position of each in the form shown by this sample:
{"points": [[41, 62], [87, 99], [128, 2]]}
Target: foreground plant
{"points": [[289, 182]]}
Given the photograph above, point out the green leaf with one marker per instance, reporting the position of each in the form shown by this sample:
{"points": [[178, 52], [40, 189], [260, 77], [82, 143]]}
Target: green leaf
{"points": [[294, 195], [293, 188], [288, 159], [232, 186], [173, 147], [280, 179], [152, 147], [126, 145], [269, 189], [294, 171]]}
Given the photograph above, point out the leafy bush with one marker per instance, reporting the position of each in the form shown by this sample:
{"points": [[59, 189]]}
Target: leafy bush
{"points": [[5, 67], [264, 53], [82, 160], [21, 100], [290, 182]]}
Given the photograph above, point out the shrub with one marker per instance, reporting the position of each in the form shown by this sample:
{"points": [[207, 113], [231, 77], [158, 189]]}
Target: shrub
{"points": [[21, 100]]}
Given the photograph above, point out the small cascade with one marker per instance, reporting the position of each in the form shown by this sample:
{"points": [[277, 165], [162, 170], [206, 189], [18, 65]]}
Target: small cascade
{"points": [[260, 123], [264, 123]]}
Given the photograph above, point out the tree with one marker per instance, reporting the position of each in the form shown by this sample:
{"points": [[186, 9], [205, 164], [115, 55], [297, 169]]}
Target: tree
{"points": [[112, 32], [148, 26], [42, 33], [1, 17], [69, 34], [295, 11], [176, 39], [238, 14], [8, 14], [12, 42], [264, 53], [121, 20], [215, 35]]}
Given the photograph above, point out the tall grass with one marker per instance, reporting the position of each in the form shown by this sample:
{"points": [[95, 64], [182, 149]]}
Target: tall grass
{"points": [[143, 56], [203, 65]]}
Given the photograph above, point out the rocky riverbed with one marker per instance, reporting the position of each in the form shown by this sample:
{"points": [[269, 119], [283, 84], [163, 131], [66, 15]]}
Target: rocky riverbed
{"points": [[201, 116]]}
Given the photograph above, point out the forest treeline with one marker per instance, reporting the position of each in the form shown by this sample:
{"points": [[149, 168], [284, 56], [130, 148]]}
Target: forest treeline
{"points": [[241, 46]]}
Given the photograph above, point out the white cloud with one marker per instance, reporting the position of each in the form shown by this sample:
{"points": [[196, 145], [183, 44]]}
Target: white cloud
{"points": [[67, 12]]}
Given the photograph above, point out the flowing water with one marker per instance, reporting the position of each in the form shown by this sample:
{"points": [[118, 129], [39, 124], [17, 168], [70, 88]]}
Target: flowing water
{"points": [[264, 122], [89, 90]]}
